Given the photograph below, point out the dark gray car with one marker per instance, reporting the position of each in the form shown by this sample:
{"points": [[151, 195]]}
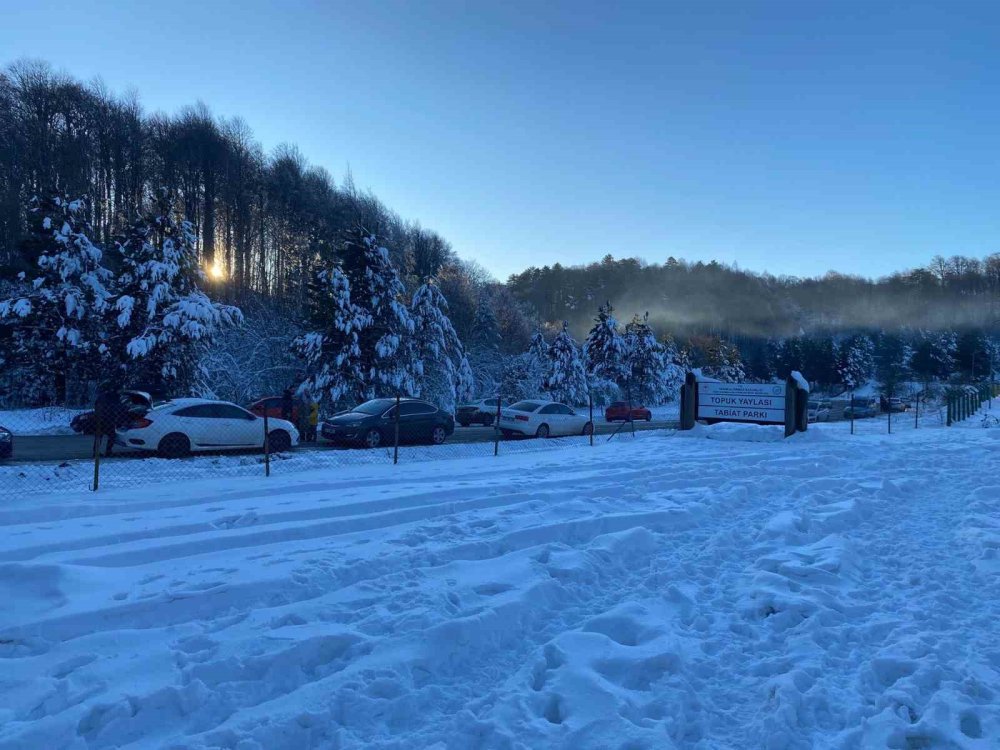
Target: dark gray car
{"points": [[373, 423]]}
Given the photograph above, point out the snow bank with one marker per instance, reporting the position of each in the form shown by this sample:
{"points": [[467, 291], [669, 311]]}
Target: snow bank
{"points": [[824, 592]]}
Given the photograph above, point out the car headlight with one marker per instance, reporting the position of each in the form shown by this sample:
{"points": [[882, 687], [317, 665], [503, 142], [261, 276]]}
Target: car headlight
{"points": [[6, 436]]}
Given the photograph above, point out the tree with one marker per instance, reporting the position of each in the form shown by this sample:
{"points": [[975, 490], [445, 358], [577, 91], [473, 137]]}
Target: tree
{"points": [[331, 349], [648, 377], [604, 349], [442, 370], [56, 317], [565, 376], [892, 363], [387, 360], [933, 356], [855, 361], [160, 315]]}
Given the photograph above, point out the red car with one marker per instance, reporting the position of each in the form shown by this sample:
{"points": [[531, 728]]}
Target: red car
{"points": [[273, 407], [618, 412]]}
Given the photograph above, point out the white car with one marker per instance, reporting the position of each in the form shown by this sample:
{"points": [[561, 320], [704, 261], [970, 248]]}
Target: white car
{"points": [[819, 411], [542, 419], [186, 425]]}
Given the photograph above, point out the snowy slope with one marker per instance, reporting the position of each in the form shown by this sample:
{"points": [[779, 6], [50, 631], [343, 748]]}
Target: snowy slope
{"points": [[673, 592]]}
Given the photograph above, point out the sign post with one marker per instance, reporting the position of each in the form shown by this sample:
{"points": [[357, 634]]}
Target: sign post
{"points": [[785, 404]]}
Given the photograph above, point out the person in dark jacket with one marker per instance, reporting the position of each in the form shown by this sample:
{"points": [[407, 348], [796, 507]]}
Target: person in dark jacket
{"points": [[287, 405], [108, 411]]}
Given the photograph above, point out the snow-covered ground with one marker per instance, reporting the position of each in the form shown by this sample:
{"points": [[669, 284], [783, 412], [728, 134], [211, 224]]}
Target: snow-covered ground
{"points": [[47, 420], [723, 588]]}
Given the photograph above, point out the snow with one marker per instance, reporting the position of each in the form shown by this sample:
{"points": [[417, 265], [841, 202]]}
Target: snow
{"points": [[46, 420], [724, 589]]}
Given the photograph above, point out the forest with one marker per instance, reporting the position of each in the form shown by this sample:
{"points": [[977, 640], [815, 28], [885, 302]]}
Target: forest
{"points": [[274, 274]]}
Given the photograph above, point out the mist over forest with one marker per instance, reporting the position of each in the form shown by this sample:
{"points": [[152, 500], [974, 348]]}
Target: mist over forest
{"points": [[689, 298]]}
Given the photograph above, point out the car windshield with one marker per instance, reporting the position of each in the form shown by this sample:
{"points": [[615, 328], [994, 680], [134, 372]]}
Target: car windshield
{"points": [[526, 406], [377, 406]]}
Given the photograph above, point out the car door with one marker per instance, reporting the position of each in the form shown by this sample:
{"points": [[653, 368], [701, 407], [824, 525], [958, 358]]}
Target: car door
{"points": [[197, 423], [549, 414], [238, 426], [415, 420], [573, 423]]}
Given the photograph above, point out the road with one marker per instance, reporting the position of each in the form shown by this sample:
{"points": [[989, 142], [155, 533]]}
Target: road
{"points": [[49, 448]]}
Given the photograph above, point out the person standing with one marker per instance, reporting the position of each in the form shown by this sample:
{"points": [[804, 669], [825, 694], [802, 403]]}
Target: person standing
{"points": [[108, 411], [313, 421]]}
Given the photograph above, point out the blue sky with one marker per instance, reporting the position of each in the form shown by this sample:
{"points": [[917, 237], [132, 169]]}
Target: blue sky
{"points": [[794, 137]]}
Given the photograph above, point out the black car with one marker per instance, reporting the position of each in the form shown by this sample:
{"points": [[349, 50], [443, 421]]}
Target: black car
{"points": [[138, 402], [6, 443], [373, 423], [483, 411]]}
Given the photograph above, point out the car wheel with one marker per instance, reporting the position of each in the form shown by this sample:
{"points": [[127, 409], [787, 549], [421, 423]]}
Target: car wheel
{"points": [[649, 417], [174, 445], [488, 421], [543, 431], [279, 441], [588, 429], [373, 439], [439, 435]]}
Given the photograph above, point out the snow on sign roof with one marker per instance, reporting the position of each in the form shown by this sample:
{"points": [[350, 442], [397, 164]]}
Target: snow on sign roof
{"points": [[800, 381]]}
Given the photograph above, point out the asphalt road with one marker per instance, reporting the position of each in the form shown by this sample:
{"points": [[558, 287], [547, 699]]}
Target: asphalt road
{"points": [[68, 447]]}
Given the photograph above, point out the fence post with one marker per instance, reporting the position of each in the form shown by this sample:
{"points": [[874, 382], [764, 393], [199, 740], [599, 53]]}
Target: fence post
{"points": [[590, 399], [916, 413], [631, 419], [851, 407], [97, 451], [888, 403], [947, 403], [395, 447], [496, 428], [267, 447]]}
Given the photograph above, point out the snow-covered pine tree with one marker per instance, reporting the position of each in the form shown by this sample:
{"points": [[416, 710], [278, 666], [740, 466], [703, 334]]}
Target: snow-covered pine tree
{"points": [[604, 350], [856, 361], [674, 370], [161, 317], [484, 344], [644, 376], [388, 364], [892, 362], [727, 365], [485, 328], [565, 376], [330, 349], [934, 355], [441, 368], [55, 315]]}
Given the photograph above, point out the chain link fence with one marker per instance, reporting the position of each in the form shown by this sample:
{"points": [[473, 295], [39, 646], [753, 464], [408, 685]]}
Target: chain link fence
{"points": [[123, 442]]}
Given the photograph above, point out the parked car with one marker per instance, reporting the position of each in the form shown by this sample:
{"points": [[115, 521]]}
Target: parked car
{"points": [[136, 402], [187, 425], [272, 404], [619, 412], [861, 408], [483, 411], [819, 411], [543, 419], [373, 423], [6, 443], [897, 405]]}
